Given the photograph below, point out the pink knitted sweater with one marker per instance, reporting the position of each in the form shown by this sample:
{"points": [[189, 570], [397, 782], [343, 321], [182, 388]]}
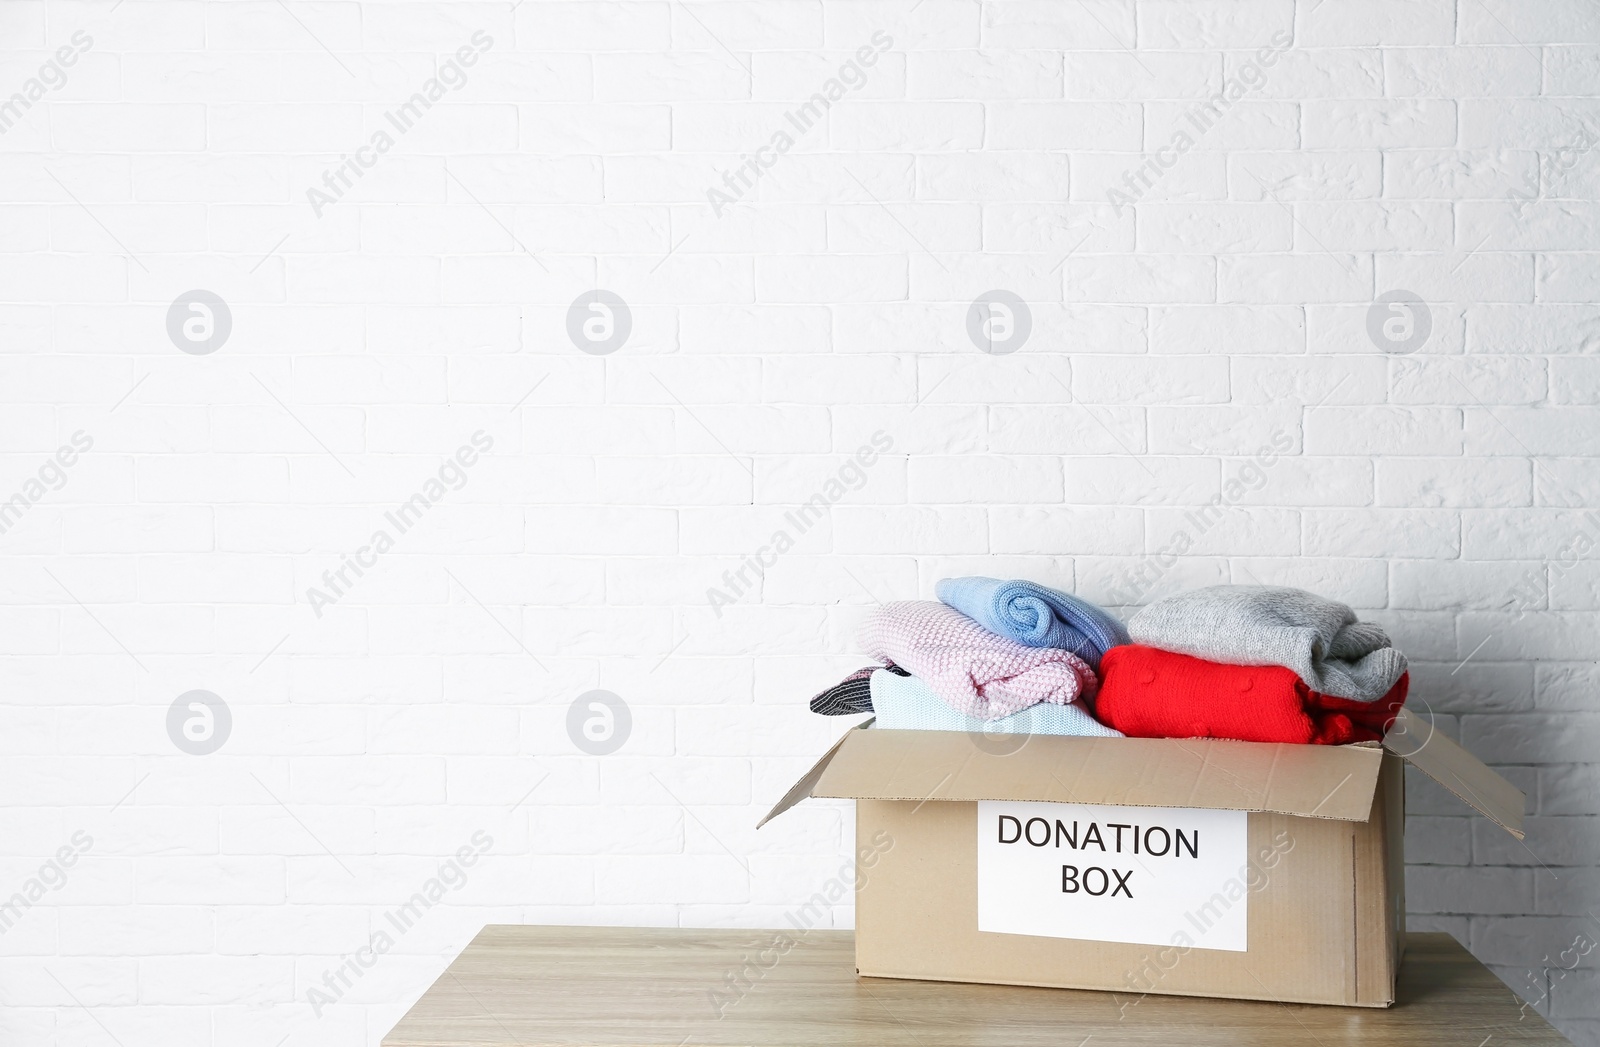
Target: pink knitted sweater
{"points": [[977, 672]]}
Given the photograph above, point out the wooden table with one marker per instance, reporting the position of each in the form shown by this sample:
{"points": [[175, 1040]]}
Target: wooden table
{"points": [[631, 987]]}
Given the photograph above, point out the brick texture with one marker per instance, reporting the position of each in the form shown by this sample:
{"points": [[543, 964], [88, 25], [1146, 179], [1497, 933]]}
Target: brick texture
{"points": [[396, 497]]}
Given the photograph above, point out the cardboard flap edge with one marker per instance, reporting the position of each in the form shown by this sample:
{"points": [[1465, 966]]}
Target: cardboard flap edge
{"points": [[801, 790], [1330, 782], [1468, 778]]}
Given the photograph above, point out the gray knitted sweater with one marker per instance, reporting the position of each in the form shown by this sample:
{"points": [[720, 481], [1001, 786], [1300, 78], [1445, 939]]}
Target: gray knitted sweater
{"points": [[1321, 640]]}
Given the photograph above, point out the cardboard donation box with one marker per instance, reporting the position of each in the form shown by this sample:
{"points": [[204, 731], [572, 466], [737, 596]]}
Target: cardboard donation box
{"points": [[1197, 867]]}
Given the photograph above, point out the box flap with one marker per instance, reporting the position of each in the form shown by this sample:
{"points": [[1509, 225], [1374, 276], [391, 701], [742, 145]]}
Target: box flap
{"points": [[802, 789], [1314, 781], [1436, 755]]}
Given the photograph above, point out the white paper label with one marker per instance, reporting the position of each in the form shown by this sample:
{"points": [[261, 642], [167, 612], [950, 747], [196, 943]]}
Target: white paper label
{"points": [[1145, 875]]}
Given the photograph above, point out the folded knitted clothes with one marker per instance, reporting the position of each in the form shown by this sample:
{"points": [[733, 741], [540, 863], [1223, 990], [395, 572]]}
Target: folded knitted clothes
{"points": [[1322, 640], [852, 694], [905, 703], [978, 673], [1035, 616], [1150, 693]]}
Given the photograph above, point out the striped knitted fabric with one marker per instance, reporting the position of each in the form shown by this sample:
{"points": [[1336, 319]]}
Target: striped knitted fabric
{"points": [[852, 694]]}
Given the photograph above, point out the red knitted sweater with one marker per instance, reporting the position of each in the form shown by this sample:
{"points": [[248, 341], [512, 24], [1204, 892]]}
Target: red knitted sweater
{"points": [[1150, 693]]}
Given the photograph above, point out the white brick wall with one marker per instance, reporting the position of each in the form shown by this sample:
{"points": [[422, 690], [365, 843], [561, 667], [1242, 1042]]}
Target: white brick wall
{"points": [[1442, 147]]}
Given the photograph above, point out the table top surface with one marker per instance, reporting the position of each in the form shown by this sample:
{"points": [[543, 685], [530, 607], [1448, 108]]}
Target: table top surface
{"points": [[671, 987]]}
